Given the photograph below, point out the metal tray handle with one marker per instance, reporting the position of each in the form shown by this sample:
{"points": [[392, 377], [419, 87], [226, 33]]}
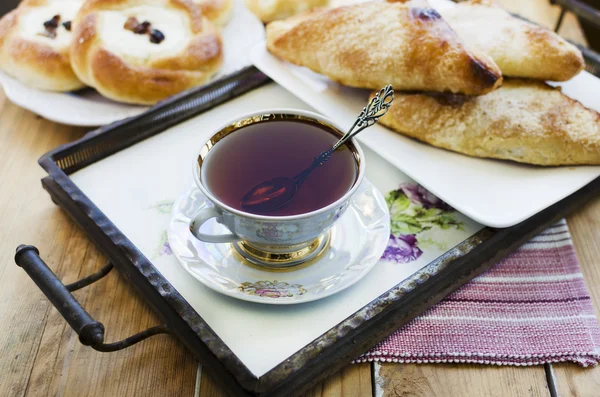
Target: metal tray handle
{"points": [[580, 9], [90, 331]]}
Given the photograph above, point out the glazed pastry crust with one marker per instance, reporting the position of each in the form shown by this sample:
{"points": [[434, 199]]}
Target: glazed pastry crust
{"points": [[280, 9], [373, 44], [525, 121], [35, 63], [519, 48], [218, 11], [144, 80]]}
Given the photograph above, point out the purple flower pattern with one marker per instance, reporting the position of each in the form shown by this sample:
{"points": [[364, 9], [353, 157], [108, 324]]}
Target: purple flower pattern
{"points": [[418, 195], [402, 248], [269, 293], [414, 210]]}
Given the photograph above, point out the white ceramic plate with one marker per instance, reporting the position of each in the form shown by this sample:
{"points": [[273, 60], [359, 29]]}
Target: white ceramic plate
{"points": [[87, 108], [358, 240], [494, 193]]}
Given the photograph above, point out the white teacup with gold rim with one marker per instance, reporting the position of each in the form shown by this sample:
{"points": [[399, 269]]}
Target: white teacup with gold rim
{"points": [[297, 232]]}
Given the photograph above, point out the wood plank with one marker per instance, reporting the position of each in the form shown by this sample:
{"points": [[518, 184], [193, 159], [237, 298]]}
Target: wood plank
{"points": [[352, 381], [160, 365], [572, 380], [27, 216], [576, 382], [39, 353], [392, 380]]}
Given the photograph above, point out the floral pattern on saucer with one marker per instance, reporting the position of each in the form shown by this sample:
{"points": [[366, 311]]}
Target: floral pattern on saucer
{"points": [[414, 211], [272, 289]]}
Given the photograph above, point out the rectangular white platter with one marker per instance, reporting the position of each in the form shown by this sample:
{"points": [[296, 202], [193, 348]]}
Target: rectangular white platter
{"points": [[133, 186], [492, 192]]}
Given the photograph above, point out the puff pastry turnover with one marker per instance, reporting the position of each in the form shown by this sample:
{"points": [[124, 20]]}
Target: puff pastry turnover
{"points": [[34, 44], [372, 44], [519, 48], [525, 120], [141, 52]]}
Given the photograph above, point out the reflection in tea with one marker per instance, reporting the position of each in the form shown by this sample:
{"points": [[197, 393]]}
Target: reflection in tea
{"points": [[269, 149]]}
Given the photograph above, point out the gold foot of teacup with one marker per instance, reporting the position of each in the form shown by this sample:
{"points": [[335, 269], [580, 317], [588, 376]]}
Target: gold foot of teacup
{"points": [[278, 257]]}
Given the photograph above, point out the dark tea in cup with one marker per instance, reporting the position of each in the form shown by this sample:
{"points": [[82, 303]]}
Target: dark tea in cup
{"points": [[269, 149]]}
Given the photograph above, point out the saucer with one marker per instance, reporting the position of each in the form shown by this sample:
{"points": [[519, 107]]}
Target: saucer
{"points": [[356, 242]]}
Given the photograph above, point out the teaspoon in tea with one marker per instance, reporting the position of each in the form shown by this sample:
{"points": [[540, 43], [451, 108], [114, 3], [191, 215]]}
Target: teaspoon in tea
{"points": [[277, 192]]}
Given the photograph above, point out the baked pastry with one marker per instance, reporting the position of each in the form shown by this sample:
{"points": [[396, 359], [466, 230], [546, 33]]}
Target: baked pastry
{"points": [[519, 48], [34, 44], [525, 120], [373, 44], [273, 10], [218, 11], [141, 52]]}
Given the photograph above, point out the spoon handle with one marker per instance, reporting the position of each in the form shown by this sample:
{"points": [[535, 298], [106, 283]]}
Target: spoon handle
{"points": [[377, 107], [317, 162]]}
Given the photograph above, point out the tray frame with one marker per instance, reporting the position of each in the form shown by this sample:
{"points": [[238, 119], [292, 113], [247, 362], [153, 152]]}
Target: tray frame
{"points": [[330, 351]]}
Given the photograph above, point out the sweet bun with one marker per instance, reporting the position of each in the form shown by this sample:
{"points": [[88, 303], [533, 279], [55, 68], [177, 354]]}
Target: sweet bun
{"points": [[140, 51], [34, 44], [218, 11], [273, 10]]}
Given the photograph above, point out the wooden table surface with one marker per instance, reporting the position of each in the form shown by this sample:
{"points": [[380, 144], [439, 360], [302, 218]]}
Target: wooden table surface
{"points": [[40, 355]]}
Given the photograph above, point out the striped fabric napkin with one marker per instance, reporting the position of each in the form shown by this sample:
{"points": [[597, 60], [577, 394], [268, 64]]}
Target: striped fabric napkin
{"points": [[531, 308]]}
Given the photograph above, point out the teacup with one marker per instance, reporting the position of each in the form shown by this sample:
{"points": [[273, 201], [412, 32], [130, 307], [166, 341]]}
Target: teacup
{"points": [[273, 241]]}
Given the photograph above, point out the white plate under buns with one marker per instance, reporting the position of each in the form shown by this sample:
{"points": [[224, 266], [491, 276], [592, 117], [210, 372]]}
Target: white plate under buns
{"points": [[87, 108]]}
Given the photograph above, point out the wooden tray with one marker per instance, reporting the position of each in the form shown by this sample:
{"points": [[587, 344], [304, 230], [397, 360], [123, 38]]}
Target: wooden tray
{"points": [[314, 362]]}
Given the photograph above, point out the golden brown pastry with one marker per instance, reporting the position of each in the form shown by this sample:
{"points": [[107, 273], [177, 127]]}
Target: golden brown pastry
{"points": [[218, 11], [34, 44], [141, 52], [373, 44], [272, 10], [525, 120], [519, 48]]}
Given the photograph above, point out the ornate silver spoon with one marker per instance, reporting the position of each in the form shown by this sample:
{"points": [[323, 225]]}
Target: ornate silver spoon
{"points": [[277, 192]]}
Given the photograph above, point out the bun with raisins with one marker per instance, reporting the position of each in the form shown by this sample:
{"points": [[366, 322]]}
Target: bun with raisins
{"points": [[142, 52]]}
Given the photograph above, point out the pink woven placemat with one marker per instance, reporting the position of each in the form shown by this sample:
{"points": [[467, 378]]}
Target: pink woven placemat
{"points": [[531, 308]]}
